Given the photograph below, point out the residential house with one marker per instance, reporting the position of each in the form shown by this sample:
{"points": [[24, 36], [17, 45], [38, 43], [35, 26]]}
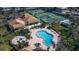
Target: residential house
{"points": [[62, 10]]}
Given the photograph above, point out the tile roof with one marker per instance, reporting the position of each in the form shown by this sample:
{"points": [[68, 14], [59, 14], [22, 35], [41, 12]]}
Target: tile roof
{"points": [[20, 22]]}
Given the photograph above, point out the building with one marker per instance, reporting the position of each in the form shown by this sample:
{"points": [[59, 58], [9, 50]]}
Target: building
{"points": [[6, 9], [66, 23], [74, 13], [22, 21], [62, 10]]}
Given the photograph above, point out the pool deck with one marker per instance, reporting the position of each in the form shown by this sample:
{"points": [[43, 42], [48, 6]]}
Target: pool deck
{"points": [[35, 39]]}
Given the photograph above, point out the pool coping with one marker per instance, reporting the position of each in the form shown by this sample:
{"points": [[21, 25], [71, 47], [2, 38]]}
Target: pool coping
{"points": [[35, 39]]}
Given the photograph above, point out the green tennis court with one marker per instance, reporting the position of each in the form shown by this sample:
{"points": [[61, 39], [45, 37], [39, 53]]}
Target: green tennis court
{"points": [[46, 16]]}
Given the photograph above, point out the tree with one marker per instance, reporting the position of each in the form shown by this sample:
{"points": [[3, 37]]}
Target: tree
{"points": [[71, 37], [37, 44]]}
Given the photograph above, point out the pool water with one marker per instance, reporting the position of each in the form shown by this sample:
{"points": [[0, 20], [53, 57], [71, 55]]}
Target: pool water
{"points": [[46, 37]]}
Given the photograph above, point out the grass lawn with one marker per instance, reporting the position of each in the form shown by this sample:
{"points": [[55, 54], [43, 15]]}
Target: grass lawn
{"points": [[5, 47], [5, 35], [5, 38], [57, 27]]}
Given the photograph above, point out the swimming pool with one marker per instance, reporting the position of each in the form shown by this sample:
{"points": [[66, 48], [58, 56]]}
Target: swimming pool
{"points": [[46, 37]]}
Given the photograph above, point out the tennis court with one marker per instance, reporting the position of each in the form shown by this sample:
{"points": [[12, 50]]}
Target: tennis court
{"points": [[46, 16]]}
